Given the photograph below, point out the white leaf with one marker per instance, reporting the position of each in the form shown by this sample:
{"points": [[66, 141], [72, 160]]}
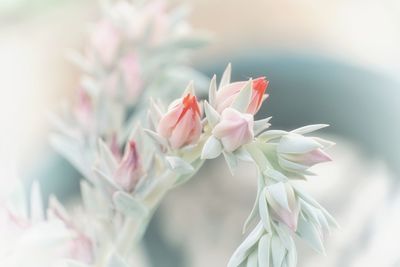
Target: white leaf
{"points": [[108, 163], [185, 177], [307, 198], [278, 193], [293, 167], [283, 232], [211, 114], [258, 156], [242, 154], [309, 128], [297, 144], [244, 249], [253, 213], [276, 175], [291, 257], [271, 134], [212, 92], [178, 165], [263, 211], [129, 206], [212, 148], [226, 76], [252, 260], [157, 138], [243, 98], [309, 232], [231, 161], [278, 251], [310, 211], [264, 250], [325, 143], [261, 125]]}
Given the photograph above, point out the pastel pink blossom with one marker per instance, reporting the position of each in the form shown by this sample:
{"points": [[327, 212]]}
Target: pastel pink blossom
{"points": [[131, 76], [105, 40], [181, 125], [283, 214], [228, 93], [235, 129], [125, 82], [130, 168], [80, 249]]}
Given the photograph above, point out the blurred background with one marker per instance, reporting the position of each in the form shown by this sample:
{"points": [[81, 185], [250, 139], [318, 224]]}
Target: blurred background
{"points": [[328, 61]]}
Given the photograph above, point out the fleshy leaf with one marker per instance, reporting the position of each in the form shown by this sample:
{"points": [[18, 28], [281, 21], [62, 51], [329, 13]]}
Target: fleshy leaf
{"points": [[252, 260], [226, 76], [261, 125], [231, 161], [212, 148], [243, 98], [294, 143], [129, 206], [243, 251], [211, 114], [309, 233], [264, 250], [309, 128], [278, 251], [179, 166], [263, 210], [278, 193], [212, 92]]}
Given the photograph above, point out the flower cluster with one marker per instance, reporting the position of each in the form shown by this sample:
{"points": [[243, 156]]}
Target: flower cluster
{"points": [[281, 157]]}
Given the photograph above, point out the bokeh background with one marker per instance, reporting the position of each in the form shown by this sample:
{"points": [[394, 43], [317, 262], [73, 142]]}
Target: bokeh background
{"points": [[328, 61]]}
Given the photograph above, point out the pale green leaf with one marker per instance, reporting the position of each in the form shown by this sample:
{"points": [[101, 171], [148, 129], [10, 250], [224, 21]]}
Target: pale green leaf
{"points": [[264, 251], [226, 76], [212, 92], [211, 114], [309, 128], [179, 166], [212, 148], [231, 161], [129, 205], [243, 98]]}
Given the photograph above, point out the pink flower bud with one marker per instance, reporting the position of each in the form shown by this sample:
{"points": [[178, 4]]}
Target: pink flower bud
{"points": [[181, 125], [131, 76], [235, 129], [310, 158], [105, 40], [284, 206], [130, 169], [80, 249], [227, 95]]}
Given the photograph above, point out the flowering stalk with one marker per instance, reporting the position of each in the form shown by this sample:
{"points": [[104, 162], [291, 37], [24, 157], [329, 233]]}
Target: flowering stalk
{"points": [[281, 208]]}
